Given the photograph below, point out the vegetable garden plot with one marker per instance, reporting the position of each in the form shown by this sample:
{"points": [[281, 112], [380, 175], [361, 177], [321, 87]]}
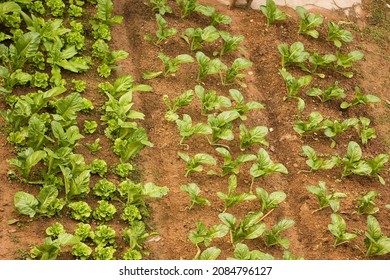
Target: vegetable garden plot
{"points": [[213, 114]]}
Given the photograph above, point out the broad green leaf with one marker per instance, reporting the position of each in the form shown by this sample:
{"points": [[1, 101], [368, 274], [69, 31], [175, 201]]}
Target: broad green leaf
{"points": [[26, 203]]}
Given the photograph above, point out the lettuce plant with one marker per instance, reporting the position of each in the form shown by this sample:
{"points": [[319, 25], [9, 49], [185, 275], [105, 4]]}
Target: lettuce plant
{"points": [[187, 130], [98, 166], [269, 201], [294, 85], [360, 98], [161, 6], [255, 135], [313, 124], [233, 73], [84, 232], [242, 252], [193, 191], [195, 37], [90, 126], [331, 93], [104, 236], [295, 54], [194, 164], [104, 212], [81, 251], [325, 199], [210, 100], [377, 244], [315, 163], [40, 80], [250, 227], [365, 131], [208, 66], [230, 165], [230, 43], [123, 169], [338, 229], [162, 33], [104, 189], [338, 35], [132, 254], [79, 85], [178, 102], [366, 204], [221, 125], [55, 229], [308, 22], [271, 12], [264, 166], [272, 237], [131, 146], [94, 147], [80, 210], [103, 20], [231, 198], [131, 213], [104, 253]]}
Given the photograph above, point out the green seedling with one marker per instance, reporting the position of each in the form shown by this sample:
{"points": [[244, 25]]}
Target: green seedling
{"points": [[272, 13], [338, 229], [194, 164], [178, 102], [193, 191], [272, 237], [231, 166], [325, 199], [308, 22], [366, 204], [256, 135]]}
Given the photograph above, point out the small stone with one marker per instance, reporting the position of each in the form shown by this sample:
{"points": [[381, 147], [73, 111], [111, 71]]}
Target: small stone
{"points": [[251, 20], [271, 129], [272, 148], [12, 231], [250, 73], [295, 165]]}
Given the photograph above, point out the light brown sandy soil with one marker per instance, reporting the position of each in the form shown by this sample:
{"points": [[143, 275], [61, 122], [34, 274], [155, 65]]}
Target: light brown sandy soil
{"points": [[309, 238]]}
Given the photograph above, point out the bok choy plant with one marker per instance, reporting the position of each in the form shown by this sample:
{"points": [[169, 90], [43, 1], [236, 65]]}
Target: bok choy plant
{"points": [[230, 165], [308, 22], [208, 66], [338, 35], [178, 102], [269, 201], [377, 244], [338, 228], [272, 237], [187, 130], [253, 136], [325, 199], [194, 164], [210, 100], [294, 85], [193, 191], [315, 163], [233, 73], [241, 106], [162, 33], [272, 13], [195, 37]]}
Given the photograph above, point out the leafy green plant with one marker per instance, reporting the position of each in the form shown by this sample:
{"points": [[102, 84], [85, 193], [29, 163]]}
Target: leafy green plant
{"points": [[366, 204], [325, 61], [187, 130], [194, 164], [233, 73], [338, 35], [81, 251], [331, 93], [338, 229], [94, 147], [104, 253], [376, 243], [308, 22], [132, 254], [84, 232], [366, 132], [230, 43], [131, 213], [253, 136], [272, 13], [90, 126], [335, 128], [313, 124], [130, 147], [77, 179], [360, 98], [210, 100], [269, 201], [178, 102], [230, 165], [272, 237], [264, 166], [325, 199], [316, 163], [161, 6], [295, 54], [103, 20], [80, 210], [241, 106], [104, 236], [51, 248], [242, 252], [211, 253], [231, 198], [353, 161], [187, 7], [195, 37], [377, 164], [104, 189], [26, 160], [171, 65], [294, 85], [56, 7], [221, 125], [123, 169], [40, 80], [136, 235], [98, 166], [193, 191], [162, 33], [55, 229], [104, 212], [208, 66], [250, 227], [205, 235]]}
